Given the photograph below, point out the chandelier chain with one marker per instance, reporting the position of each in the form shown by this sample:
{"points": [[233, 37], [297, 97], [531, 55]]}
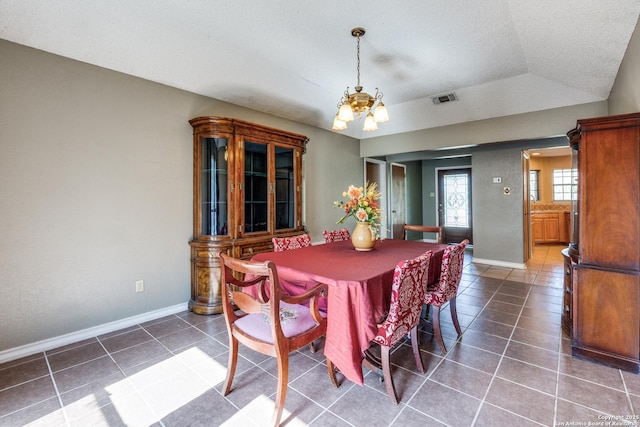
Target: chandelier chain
{"points": [[358, 51]]}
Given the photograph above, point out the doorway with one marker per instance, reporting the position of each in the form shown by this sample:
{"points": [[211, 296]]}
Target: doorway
{"points": [[454, 205], [375, 171], [398, 199], [526, 205]]}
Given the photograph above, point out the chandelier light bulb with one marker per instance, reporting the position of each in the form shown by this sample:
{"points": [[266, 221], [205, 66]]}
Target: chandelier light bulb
{"points": [[345, 113], [381, 115], [369, 123], [338, 124]]}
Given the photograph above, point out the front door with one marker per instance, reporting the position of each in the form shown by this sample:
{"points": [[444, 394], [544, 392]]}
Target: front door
{"points": [[454, 205]]}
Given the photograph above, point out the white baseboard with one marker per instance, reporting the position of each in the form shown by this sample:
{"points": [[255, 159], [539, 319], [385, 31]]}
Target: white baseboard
{"points": [[70, 338], [499, 263]]}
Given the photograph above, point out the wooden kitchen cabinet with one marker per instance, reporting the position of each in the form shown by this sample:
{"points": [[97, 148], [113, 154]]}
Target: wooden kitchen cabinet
{"points": [[247, 182], [605, 245], [545, 227]]}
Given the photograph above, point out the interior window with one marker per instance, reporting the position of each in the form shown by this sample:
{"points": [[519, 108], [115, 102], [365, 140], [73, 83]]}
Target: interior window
{"points": [[564, 185]]}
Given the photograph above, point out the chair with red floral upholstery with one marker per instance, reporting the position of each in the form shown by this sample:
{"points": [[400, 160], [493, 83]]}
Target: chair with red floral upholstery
{"points": [[336, 235], [274, 324], [446, 289], [407, 299], [294, 242]]}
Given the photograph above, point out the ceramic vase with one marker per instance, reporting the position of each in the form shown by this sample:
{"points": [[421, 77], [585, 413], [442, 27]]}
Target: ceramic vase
{"points": [[362, 237]]}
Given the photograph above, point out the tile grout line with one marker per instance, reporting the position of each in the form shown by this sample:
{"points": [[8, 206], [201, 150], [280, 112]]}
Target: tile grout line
{"points": [[555, 405], [55, 387], [502, 356], [626, 390]]}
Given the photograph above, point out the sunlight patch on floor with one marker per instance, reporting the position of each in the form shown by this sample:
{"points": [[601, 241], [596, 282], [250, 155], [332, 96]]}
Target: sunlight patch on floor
{"points": [[165, 386]]}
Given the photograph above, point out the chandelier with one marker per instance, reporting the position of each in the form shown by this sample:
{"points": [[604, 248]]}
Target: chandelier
{"points": [[359, 102]]}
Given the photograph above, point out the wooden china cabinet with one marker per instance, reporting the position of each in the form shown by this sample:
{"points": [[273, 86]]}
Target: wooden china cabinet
{"points": [[247, 181], [602, 277]]}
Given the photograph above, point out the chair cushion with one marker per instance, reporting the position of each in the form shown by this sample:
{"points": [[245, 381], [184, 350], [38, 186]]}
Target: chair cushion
{"points": [[294, 319]]}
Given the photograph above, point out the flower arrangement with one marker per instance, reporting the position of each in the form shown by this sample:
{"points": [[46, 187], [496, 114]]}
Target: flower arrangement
{"points": [[362, 204]]}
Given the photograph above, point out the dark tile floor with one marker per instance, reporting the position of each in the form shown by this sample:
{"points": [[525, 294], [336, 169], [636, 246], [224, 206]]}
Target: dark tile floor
{"points": [[511, 367]]}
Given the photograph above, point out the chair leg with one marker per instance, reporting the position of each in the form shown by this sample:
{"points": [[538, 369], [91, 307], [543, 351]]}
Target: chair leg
{"points": [[435, 321], [424, 315], [281, 395], [231, 366], [454, 315], [425, 310], [386, 372], [332, 373], [416, 348]]}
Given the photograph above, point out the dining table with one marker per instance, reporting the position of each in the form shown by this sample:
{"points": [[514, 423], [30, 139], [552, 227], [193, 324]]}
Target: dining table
{"points": [[359, 293]]}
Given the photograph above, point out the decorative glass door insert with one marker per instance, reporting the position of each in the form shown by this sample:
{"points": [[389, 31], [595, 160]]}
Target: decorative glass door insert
{"points": [[456, 206]]}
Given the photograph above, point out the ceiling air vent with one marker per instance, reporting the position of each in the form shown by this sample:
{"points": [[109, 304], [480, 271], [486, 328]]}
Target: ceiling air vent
{"points": [[441, 99]]}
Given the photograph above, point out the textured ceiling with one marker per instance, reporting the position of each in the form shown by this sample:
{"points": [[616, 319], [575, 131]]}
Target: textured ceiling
{"points": [[294, 59]]}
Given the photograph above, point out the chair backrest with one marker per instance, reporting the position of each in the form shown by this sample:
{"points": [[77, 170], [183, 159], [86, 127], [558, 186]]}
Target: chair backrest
{"points": [[290, 324], [294, 242], [407, 298], [336, 235], [450, 274], [422, 229]]}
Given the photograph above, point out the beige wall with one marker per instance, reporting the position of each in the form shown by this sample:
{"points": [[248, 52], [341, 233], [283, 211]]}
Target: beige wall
{"points": [[625, 94], [96, 192]]}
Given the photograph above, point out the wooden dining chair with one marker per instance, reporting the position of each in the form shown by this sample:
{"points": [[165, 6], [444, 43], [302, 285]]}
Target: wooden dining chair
{"points": [[422, 229], [336, 235], [274, 323], [407, 299], [294, 242], [446, 289]]}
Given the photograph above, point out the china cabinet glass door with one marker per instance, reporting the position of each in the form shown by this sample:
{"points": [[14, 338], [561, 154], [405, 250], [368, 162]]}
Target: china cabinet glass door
{"points": [[285, 188], [215, 175], [256, 184]]}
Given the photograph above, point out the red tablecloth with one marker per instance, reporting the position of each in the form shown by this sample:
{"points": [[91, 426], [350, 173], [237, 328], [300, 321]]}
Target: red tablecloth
{"points": [[359, 289]]}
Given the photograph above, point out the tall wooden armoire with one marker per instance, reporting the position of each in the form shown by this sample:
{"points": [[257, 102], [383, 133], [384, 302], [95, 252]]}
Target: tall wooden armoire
{"points": [[604, 267]]}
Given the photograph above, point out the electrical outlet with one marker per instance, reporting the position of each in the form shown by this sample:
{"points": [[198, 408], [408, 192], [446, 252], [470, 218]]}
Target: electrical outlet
{"points": [[140, 286]]}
